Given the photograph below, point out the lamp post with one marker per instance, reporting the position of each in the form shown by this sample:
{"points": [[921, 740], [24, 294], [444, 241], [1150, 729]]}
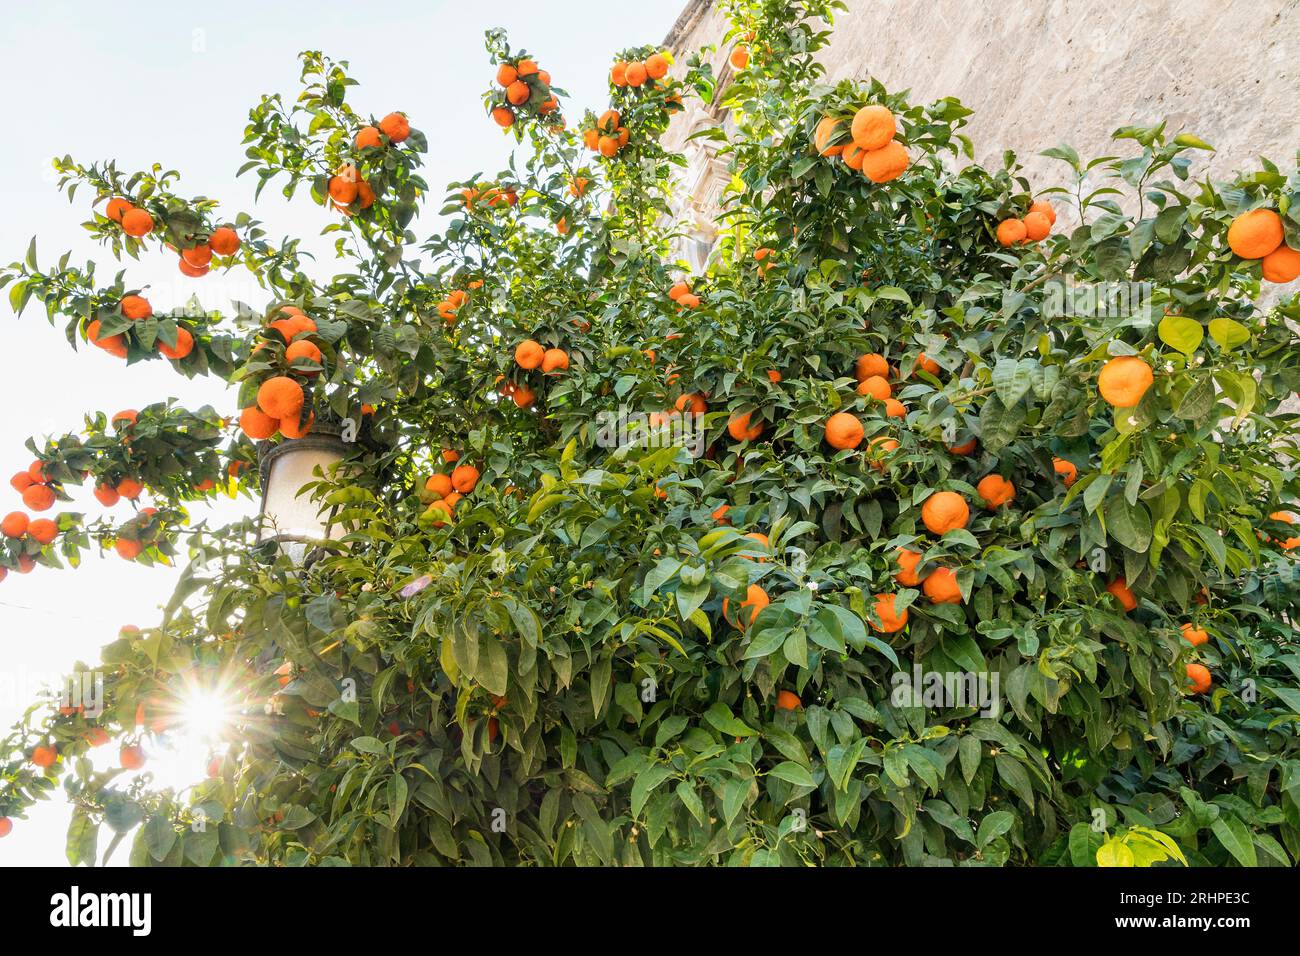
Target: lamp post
{"points": [[289, 515]]}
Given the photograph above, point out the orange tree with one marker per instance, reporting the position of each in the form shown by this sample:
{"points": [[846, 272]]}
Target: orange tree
{"points": [[650, 567]]}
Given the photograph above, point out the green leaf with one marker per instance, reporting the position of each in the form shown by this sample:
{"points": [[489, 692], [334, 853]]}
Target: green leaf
{"points": [[791, 772], [1181, 333]]}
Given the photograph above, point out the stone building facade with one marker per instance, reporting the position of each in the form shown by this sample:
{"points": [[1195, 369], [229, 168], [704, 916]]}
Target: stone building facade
{"points": [[1041, 72]]}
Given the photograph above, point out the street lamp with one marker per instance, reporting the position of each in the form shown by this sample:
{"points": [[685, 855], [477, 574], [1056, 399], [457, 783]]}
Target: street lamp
{"points": [[288, 514]]}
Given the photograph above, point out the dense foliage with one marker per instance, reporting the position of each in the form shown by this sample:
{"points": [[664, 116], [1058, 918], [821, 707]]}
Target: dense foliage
{"points": [[552, 669]]}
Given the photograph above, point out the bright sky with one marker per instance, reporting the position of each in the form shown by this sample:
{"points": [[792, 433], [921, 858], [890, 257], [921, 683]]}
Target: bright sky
{"points": [[172, 83]]}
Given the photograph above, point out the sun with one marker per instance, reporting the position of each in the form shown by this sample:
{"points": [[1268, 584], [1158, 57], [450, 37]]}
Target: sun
{"points": [[206, 714]]}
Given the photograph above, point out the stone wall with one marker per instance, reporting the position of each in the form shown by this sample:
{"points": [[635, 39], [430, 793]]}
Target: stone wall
{"points": [[1041, 72]]}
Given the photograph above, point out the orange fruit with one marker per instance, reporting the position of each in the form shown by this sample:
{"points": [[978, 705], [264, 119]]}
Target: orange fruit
{"points": [[452, 498], [464, 478], [506, 74], [679, 290], [773, 376], [788, 700], [940, 586], [135, 307], [885, 164], [554, 360], [1199, 675], [891, 621], [1044, 207], [43, 530], [97, 737], [256, 424], [656, 66], [873, 127], [396, 127], [1194, 635], [184, 345], [198, 256], [1255, 234], [117, 208], [843, 431], [1120, 589], [137, 223], [523, 396], [719, 514], [36, 472], [1037, 226], [853, 155], [368, 137], [304, 350], [740, 429], [995, 490], [450, 456], [927, 364], [1066, 469], [280, 397], [343, 189], [125, 418], [529, 354], [1124, 380], [1282, 264], [895, 409], [439, 484], [106, 495], [131, 757], [503, 116], [873, 363], [618, 73], [740, 57], [526, 67], [907, 561], [129, 488], [39, 498], [636, 74], [826, 130], [295, 427], [224, 241], [44, 756], [876, 387], [518, 93], [14, 524], [21, 482], [1011, 232], [693, 401], [755, 599], [689, 301], [945, 511]]}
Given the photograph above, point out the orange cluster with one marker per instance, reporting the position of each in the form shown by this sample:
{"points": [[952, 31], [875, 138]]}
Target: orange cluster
{"points": [[522, 83], [395, 127], [1036, 225], [869, 147], [639, 72], [681, 294], [196, 261], [348, 191], [608, 136], [280, 398], [449, 489], [490, 196], [450, 306], [134, 221], [37, 490], [1259, 234]]}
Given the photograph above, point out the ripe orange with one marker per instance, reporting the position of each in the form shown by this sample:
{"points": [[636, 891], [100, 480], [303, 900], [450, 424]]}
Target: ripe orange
{"points": [[636, 74], [129, 489], [927, 364], [740, 57], [224, 241], [199, 256], [826, 129], [1037, 226], [788, 700], [876, 387], [995, 490], [194, 272], [886, 445], [526, 67], [693, 402], [656, 66], [503, 116], [1282, 264], [107, 495], [1066, 469], [136, 307], [907, 561], [1011, 232], [39, 498], [21, 482], [554, 360], [679, 290], [689, 301], [368, 137], [1200, 677], [853, 155], [44, 756], [396, 127], [131, 757], [1255, 234], [873, 127], [14, 524], [464, 478], [885, 164], [137, 223], [506, 74], [1044, 207], [740, 429], [945, 511], [6, 827], [439, 484], [843, 431], [529, 354], [43, 530], [1124, 380], [36, 472], [719, 514], [184, 346], [518, 92], [891, 620], [343, 189], [295, 427], [523, 396], [755, 599], [256, 424], [618, 73], [280, 397], [117, 208], [97, 737], [1194, 635], [304, 350], [895, 409], [450, 456], [1120, 589], [873, 363], [125, 418], [940, 586]]}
